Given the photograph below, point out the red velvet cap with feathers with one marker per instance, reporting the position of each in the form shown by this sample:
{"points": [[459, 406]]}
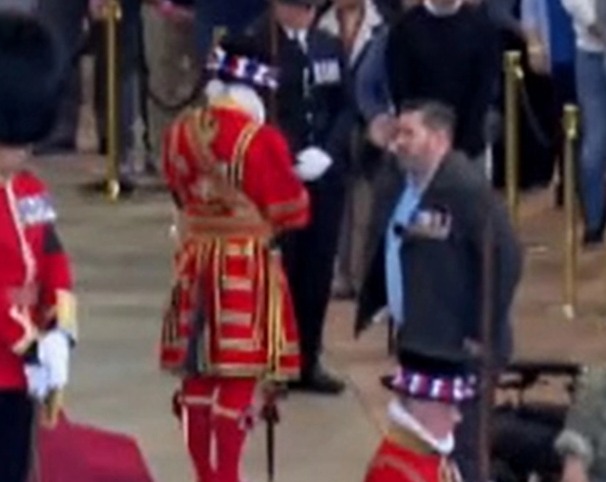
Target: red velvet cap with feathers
{"points": [[239, 59], [427, 373]]}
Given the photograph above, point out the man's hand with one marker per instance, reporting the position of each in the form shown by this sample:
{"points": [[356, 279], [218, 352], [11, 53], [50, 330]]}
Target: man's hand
{"points": [[98, 8], [596, 31], [473, 347], [574, 470], [537, 58], [381, 130], [174, 12]]}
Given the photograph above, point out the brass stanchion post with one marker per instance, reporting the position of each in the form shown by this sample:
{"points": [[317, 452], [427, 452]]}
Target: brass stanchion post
{"points": [[571, 132], [112, 16], [513, 75]]}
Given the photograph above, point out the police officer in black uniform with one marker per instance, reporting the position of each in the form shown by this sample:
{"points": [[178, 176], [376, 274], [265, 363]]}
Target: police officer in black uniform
{"points": [[311, 109]]}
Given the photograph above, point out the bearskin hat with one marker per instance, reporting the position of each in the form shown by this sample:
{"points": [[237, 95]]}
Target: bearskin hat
{"points": [[31, 78], [240, 59]]}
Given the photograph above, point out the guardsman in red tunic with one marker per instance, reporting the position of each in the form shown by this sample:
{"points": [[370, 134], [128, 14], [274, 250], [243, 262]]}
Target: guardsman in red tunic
{"points": [[428, 389], [37, 322], [231, 322]]}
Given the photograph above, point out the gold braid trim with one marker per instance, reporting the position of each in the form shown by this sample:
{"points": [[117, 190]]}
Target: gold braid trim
{"points": [[196, 401], [288, 207], [274, 318], [219, 411], [408, 440], [241, 149]]}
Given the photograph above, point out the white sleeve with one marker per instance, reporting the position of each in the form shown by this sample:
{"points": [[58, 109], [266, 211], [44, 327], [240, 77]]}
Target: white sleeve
{"points": [[529, 14], [582, 12]]}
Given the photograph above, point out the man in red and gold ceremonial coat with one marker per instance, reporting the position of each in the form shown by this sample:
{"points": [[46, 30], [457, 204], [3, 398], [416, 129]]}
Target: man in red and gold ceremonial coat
{"points": [[231, 322], [429, 387], [37, 316]]}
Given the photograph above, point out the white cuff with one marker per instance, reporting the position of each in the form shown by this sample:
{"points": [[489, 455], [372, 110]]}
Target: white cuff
{"points": [[54, 354], [313, 163], [571, 442]]}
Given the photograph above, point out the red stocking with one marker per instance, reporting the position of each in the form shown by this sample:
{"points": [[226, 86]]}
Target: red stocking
{"points": [[230, 413], [197, 424]]}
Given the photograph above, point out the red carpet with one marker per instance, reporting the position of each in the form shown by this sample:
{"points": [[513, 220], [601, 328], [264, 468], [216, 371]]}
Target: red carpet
{"points": [[78, 453]]}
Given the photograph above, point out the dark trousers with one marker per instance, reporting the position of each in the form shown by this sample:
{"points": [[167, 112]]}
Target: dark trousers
{"points": [[309, 256], [129, 50], [16, 418], [66, 18], [236, 16], [467, 438], [564, 92]]}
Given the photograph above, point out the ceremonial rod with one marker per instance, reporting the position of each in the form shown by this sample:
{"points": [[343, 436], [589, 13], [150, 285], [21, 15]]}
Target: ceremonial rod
{"points": [[513, 75], [271, 390], [112, 15], [571, 132], [486, 372]]}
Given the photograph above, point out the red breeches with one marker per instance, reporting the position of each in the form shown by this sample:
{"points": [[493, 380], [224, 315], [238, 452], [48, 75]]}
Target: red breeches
{"points": [[216, 413]]}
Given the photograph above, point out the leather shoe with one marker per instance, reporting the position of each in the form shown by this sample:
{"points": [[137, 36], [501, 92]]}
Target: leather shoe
{"points": [[318, 381]]}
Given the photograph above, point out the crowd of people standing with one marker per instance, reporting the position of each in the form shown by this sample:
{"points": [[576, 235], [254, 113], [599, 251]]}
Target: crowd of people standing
{"points": [[387, 109]]}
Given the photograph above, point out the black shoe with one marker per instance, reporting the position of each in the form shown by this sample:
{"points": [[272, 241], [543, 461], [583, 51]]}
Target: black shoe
{"points": [[558, 196], [342, 292], [150, 169], [593, 237], [127, 187], [318, 381], [102, 147]]}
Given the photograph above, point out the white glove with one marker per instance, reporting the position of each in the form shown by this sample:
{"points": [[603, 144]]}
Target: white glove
{"points": [[37, 381], [381, 316], [313, 163], [53, 353]]}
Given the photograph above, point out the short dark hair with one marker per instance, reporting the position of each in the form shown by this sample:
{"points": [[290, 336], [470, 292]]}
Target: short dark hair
{"points": [[436, 115]]}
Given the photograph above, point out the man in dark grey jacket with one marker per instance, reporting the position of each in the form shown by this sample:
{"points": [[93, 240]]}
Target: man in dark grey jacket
{"points": [[427, 251]]}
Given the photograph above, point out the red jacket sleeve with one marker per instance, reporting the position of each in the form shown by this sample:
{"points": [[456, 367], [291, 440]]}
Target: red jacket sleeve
{"points": [[388, 474], [271, 182], [55, 305]]}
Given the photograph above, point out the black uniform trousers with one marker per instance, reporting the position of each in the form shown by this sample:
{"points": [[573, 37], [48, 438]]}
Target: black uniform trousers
{"points": [[16, 418], [66, 18], [309, 256], [467, 447], [129, 61]]}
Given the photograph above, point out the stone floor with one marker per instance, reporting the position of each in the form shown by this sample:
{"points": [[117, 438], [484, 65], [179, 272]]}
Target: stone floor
{"points": [[121, 255]]}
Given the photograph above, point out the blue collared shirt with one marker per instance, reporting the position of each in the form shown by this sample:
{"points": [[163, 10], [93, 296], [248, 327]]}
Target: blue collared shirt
{"points": [[402, 215]]}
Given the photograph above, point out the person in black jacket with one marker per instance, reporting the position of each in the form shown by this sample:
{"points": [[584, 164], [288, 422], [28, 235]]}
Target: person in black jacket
{"points": [[427, 250], [234, 15], [447, 50], [310, 109]]}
